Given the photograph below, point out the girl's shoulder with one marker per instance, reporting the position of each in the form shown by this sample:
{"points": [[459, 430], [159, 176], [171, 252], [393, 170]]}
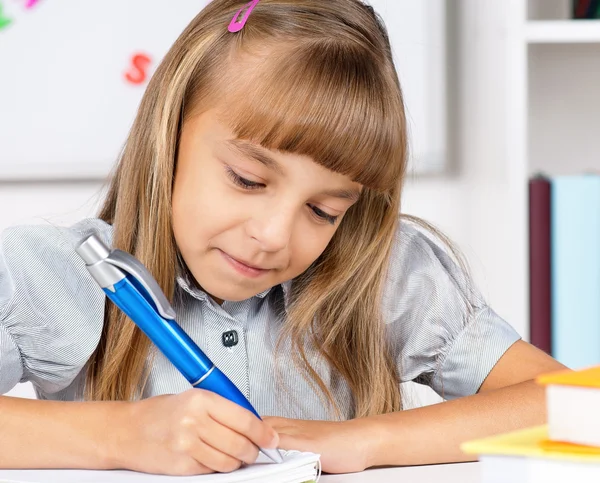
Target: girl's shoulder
{"points": [[43, 257], [51, 311], [442, 331], [56, 235], [420, 251]]}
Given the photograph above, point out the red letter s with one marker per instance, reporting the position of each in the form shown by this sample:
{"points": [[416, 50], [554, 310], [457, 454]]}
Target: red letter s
{"points": [[137, 73]]}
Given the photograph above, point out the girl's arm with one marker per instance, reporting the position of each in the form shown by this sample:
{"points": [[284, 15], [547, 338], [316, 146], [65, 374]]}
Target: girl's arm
{"points": [[508, 399], [52, 434], [183, 434]]}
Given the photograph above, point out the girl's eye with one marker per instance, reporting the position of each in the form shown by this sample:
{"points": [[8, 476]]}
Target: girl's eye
{"points": [[243, 182], [324, 216]]}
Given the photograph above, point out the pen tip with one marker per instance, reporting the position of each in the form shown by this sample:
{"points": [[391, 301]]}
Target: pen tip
{"points": [[273, 454]]}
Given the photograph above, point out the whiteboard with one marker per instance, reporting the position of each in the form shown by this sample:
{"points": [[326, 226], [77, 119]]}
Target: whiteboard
{"points": [[72, 74]]}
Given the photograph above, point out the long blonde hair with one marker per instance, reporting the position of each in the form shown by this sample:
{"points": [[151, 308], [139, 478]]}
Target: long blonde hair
{"points": [[322, 84]]}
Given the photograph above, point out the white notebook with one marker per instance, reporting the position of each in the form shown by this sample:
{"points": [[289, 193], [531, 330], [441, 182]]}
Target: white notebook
{"points": [[297, 467]]}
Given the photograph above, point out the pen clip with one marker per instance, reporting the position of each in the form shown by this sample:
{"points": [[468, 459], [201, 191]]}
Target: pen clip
{"points": [[101, 262], [132, 266]]}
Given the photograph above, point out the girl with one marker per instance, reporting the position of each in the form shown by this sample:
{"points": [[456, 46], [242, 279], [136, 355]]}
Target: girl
{"points": [[261, 186]]}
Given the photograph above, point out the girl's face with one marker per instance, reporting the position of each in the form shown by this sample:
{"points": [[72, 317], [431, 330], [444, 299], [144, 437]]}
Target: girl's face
{"points": [[246, 218]]}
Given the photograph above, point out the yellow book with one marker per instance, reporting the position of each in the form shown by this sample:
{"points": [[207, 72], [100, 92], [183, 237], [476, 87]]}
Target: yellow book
{"points": [[528, 456], [573, 399], [588, 377]]}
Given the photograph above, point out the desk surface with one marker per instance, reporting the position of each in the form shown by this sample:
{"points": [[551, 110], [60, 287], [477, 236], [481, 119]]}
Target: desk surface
{"points": [[454, 473]]}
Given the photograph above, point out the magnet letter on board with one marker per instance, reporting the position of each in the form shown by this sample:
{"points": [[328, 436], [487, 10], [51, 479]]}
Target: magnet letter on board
{"points": [[4, 21], [138, 72]]}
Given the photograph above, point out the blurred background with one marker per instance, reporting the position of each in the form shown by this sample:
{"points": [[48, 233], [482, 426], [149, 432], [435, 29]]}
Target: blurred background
{"points": [[502, 100]]}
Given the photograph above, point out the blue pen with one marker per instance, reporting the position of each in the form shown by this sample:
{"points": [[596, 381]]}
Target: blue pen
{"points": [[127, 282]]}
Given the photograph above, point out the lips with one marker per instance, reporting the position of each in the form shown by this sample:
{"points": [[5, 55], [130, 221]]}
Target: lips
{"points": [[241, 262], [243, 268]]}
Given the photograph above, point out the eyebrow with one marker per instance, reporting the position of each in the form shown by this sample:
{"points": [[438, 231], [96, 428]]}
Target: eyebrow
{"points": [[352, 195], [252, 151], [259, 154]]}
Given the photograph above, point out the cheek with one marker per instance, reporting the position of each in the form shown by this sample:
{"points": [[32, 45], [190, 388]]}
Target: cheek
{"points": [[306, 250], [205, 210], [196, 215]]}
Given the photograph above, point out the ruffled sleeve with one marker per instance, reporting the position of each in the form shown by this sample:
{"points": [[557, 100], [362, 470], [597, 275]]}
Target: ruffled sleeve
{"points": [[443, 334], [51, 311]]}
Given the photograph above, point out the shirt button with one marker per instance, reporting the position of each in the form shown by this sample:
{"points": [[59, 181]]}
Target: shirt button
{"points": [[230, 338]]}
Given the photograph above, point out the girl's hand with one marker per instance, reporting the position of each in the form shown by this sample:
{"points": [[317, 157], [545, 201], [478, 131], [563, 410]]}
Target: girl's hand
{"points": [[190, 433], [345, 447]]}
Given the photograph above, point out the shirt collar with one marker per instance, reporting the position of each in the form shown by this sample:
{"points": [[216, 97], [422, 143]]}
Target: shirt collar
{"points": [[199, 294]]}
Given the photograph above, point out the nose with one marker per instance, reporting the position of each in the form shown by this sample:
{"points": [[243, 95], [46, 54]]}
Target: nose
{"points": [[271, 228]]}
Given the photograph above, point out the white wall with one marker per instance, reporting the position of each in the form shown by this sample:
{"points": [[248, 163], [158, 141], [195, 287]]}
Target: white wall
{"points": [[59, 202]]}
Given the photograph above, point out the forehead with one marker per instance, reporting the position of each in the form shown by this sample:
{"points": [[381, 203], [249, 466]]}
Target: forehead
{"points": [[303, 104], [211, 131]]}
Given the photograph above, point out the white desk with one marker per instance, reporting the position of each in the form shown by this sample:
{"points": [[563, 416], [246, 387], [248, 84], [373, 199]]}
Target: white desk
{"points": [[454, 473]]}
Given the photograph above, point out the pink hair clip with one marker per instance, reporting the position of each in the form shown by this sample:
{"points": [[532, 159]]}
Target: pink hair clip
{"points": [[237, 24]]}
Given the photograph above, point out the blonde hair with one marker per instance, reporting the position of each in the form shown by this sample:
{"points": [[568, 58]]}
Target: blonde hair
{"points": [[311, 77]]}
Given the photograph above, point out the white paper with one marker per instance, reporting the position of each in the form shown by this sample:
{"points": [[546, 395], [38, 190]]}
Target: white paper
{"points": [[297, 467]]}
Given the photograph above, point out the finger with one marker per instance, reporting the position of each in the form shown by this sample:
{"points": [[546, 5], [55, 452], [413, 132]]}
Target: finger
{"points": [[188, 467], [214, 459], [242, 421], [228, 441]]}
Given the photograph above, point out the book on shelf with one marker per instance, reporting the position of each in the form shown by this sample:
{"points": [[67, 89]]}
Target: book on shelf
{"points": [[586, 9], [575, 269], [540, 281], [573, 402]]}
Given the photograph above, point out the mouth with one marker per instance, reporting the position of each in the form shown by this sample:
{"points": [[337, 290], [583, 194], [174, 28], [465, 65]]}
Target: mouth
{"points": [[243, 267]]}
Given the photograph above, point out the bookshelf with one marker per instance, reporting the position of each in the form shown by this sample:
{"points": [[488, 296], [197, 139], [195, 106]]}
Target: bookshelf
{"points": [[562, 31], [527, 100]]}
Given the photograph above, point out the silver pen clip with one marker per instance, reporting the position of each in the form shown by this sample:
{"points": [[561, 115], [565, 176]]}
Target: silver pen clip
{"points": [[111, 266]]}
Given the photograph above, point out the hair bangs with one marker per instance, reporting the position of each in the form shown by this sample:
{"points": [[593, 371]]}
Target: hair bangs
{"points": [[323, 100]]}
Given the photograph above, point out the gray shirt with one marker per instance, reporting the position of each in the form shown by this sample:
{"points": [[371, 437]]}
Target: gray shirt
{"points": [[52, 312]]}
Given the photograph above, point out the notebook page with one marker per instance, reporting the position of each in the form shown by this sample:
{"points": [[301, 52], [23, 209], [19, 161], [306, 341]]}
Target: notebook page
{"points": [[297, 467]]}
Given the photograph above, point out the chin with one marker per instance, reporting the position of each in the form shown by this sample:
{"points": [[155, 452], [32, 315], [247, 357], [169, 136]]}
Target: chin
{"points": [[229, 294]]}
